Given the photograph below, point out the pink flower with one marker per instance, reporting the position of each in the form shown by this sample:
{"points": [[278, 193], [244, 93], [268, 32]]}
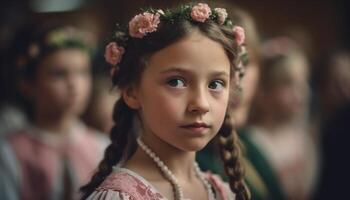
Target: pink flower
{"points": [[113, 53], [200, 12], [222, 15], [239, 34], [143, 23]]}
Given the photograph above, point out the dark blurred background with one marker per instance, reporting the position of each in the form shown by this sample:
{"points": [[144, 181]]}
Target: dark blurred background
{"points": [[322, 24]]}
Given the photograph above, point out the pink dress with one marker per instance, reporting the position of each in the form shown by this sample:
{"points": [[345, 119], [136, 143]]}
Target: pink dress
{"points": [[124, 184], [37, 165]]}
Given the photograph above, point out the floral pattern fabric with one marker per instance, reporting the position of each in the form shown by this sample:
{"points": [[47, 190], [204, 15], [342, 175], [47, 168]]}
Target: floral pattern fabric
{"points": [[124, 184]]}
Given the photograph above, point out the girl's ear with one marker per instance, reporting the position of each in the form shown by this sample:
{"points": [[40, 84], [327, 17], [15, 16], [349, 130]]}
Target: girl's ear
{"points": [[131, 98]]}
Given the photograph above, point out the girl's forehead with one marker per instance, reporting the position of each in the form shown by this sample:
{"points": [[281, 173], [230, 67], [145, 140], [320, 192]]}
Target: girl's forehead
{"points": [[62, 55], [194, 50], [67, 58]]}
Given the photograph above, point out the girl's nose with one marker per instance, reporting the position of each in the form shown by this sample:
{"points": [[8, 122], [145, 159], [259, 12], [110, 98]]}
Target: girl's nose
{"points": [[73, 82], [198, 102]]}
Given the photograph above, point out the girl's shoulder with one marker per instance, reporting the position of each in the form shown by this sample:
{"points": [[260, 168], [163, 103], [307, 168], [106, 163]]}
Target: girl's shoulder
{"points": [[124, 184], [22, 141]]}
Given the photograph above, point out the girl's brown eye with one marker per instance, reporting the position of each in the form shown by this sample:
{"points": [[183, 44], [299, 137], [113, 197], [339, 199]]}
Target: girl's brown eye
{"points": [[176, 82], [216, 85]]}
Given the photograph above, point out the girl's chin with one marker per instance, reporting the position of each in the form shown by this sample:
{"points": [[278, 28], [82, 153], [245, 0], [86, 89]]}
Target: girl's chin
{"points": [[194, 147]]}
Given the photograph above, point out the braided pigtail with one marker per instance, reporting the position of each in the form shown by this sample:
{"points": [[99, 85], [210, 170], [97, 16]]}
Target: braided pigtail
{"points": [[116, 151], [230, 153]]}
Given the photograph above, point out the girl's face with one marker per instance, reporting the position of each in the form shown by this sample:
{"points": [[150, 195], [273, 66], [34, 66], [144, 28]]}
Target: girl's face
{"points": [[62, 83], [289, 95], [183, 93]]}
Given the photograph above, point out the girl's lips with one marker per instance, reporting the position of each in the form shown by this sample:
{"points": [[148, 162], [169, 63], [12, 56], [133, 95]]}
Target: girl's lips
{"points": [[197, 128], [196, 125]]}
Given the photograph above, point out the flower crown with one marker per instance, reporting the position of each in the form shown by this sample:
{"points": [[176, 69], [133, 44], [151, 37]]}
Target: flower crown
{"points": [[148, 21], [61, 37]]}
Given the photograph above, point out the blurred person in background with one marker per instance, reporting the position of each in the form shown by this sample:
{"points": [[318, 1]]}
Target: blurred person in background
{"points": [[279, 118], [333, 83], [333, 89], [56, 152], [260, 177]]}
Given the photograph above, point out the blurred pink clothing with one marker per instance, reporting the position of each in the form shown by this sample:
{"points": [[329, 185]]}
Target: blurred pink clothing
{"points": [[48, 166], [293, 155]]}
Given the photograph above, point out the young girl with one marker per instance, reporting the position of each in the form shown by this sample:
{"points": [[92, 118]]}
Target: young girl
{"points": [[175, 70], [55, 154]]}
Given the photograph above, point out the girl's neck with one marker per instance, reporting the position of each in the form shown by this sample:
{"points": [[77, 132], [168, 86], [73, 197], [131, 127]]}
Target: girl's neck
{"points": [[180, 163], [54, 123]]}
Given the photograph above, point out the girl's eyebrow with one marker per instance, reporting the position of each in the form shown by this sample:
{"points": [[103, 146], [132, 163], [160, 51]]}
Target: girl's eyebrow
{"points": [[185, 71], [176, 69]]}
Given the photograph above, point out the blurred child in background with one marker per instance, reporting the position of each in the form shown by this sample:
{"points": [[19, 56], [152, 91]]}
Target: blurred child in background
{"points": [[279, 118], [333, 89], [56, 153]]}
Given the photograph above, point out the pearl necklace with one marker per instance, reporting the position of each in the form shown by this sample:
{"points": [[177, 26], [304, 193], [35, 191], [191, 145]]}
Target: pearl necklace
{"points": [[178, 193]]}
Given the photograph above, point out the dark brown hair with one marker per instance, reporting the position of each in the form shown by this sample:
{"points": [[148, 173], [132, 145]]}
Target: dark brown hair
{"points": [[130, 70]]}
